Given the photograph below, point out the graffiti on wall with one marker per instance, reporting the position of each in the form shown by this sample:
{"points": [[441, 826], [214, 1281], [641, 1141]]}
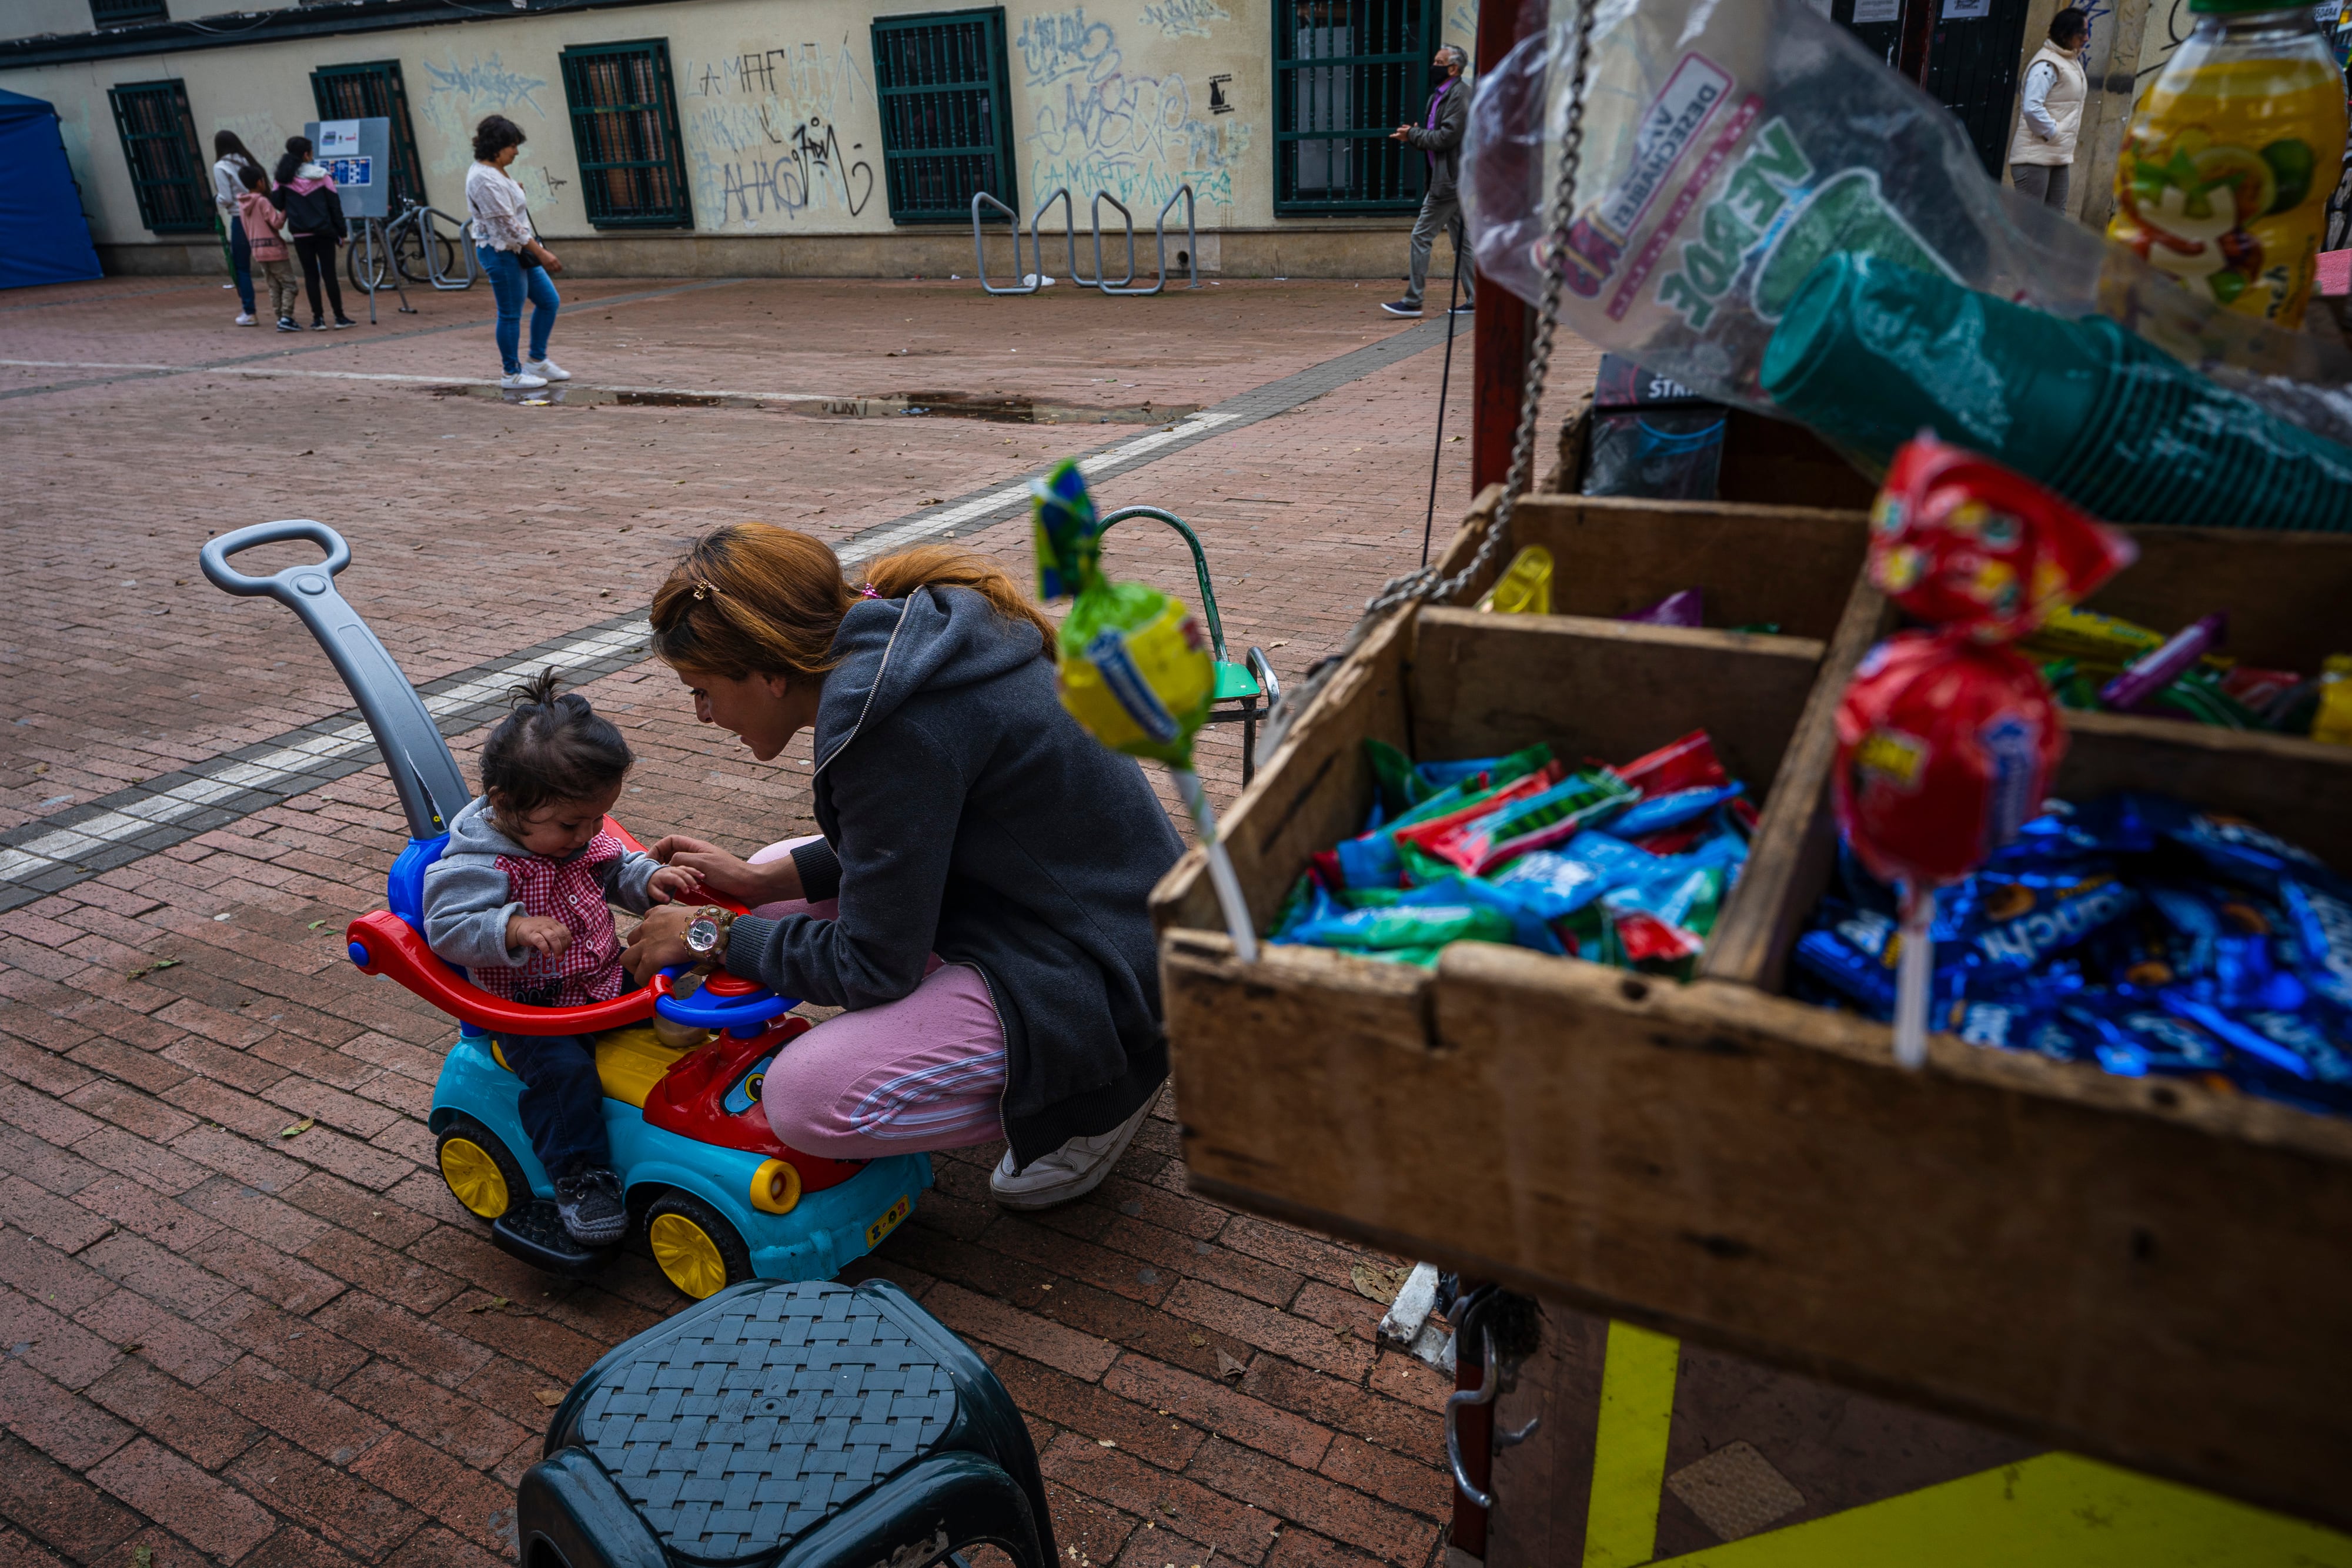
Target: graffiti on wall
{"points": [[1183, 18], [459, 94], [763, 134], [1064, 47], [258, 132], [1113, 130]]}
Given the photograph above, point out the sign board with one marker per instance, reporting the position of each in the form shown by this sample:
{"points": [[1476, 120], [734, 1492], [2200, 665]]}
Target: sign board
{"points": [[357, 155], [1868, 12], [1967, 10]]}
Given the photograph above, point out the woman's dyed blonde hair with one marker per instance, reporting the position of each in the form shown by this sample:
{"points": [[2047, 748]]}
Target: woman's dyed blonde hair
{"points": [[754, 598]]}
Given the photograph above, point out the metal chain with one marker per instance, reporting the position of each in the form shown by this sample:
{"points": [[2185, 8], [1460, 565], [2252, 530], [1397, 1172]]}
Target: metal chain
{"points": [[1425, 583]]}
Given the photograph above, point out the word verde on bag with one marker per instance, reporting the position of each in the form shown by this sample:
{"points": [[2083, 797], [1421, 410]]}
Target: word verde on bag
{"points": [[1767, 198], [1766, 177]]}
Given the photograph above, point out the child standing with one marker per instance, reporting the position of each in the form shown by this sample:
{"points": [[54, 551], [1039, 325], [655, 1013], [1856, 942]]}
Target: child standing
{"points": [[314, 215], [260, 217], [519, 899]]}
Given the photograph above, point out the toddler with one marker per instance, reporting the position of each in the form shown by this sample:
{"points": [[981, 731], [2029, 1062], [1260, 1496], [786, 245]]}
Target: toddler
{"points": [[519, 899], [262, 218]]}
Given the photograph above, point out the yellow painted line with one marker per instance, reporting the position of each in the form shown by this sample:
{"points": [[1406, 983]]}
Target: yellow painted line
{"points": [[1629, 1451], [2055, 1510]]}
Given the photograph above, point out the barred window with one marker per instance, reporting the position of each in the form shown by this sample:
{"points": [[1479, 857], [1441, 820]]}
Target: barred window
{"points": [[122, 13], [374, 92], [1347, 73], [947, 131], [624, 131], [159, 142]]}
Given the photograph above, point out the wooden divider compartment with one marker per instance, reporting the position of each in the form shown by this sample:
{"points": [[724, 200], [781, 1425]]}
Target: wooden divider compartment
{"points": [[2144, 1270]]}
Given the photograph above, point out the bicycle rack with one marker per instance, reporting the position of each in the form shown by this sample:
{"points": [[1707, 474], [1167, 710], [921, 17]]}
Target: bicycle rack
{"points": [[1159, 238], [463, 244], [1069, 234], [372, 272], [1070, 237], [980, 250], [1101, 282]]}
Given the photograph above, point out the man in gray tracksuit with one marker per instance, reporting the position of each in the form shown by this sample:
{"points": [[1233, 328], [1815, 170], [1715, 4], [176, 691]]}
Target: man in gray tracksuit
{"points": [[1439, 136]]}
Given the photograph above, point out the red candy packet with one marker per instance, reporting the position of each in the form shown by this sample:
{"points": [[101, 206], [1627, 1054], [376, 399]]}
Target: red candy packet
{"points": [[1963, 543], [1646, 936], [1685, 764]]}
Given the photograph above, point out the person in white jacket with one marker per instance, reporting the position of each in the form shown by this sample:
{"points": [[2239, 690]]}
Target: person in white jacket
{"points": [[228, 185], [2050, 112]]}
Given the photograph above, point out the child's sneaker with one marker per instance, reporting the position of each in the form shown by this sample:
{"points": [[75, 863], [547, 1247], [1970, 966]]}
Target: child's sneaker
{"points": [[342, 321], [318, 324], [285, 324], [593, 1210], [245, 320]]}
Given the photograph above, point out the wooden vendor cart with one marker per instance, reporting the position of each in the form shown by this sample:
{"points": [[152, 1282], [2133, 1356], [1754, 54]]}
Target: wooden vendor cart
{"points": [[2150, 1271]]}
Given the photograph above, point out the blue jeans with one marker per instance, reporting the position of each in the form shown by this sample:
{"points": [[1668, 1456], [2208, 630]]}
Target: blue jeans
{"points": [[511, 279], [562, 1104], [240, 263]]}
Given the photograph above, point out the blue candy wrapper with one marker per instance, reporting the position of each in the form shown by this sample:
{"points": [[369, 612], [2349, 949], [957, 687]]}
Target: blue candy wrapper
{"points": [[2133, 1035], [2322, 925], [1659, 812]]}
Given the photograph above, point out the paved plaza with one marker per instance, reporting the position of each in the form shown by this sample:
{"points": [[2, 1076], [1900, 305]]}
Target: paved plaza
{"points": [[242, 1319]]}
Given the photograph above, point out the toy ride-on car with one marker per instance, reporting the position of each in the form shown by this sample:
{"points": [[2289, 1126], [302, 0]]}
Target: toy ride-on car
{"points": [[721, 1200]]}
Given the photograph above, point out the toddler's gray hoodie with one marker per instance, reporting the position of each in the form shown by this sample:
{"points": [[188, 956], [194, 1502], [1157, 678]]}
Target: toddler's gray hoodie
{"points": [[466, 902]]}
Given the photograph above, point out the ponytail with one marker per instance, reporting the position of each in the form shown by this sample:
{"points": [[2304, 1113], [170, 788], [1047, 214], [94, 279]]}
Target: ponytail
{"points": [[754, 598], [297, 152]]}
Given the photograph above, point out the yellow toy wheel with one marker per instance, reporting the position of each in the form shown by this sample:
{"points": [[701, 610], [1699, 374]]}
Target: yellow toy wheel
{"points": [[699, 1251], [482, 1175], [775, 1186]]}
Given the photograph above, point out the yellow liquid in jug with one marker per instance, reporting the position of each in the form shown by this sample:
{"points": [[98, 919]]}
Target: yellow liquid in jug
{"points": [[2225, 175]]}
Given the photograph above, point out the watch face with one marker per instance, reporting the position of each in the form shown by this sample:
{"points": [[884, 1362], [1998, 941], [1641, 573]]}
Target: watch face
{"points": [[702, 936]]}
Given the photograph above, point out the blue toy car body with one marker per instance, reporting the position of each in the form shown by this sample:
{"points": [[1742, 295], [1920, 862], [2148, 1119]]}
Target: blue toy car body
{"points": [[720, 1199]]}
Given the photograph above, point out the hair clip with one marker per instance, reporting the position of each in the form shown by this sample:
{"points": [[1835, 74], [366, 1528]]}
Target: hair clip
{"points": [[868, 590], [702, 590]]}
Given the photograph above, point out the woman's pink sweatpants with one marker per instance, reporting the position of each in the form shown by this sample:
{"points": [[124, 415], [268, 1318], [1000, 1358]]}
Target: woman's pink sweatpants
{"points": [[923, 1072]]}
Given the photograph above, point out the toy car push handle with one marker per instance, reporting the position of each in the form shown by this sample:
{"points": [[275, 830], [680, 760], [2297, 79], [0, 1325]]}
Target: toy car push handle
{"points": [[432, 791]]}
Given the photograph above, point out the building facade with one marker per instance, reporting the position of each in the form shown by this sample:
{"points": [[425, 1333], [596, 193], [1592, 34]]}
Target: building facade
{"points": [[682, 137]]}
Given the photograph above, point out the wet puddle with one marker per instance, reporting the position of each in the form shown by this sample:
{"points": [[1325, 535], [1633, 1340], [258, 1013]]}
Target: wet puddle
{"points": [[996, 408]]}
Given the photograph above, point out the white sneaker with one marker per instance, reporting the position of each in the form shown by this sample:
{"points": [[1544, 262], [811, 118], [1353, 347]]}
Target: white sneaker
{"points": [[1074, 1170], [522, 381], [547, 368], [246, 319]]}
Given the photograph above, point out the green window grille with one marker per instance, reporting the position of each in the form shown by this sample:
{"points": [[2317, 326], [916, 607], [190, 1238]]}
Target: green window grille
{"points": [[159, 142], [374, 92], [625, 130], [122, 13], [1347, 73], [947, 127]]}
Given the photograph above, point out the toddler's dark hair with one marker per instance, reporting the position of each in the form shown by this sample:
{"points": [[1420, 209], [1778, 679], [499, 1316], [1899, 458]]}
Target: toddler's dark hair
{"points": [[255, 180], [551, 748]]}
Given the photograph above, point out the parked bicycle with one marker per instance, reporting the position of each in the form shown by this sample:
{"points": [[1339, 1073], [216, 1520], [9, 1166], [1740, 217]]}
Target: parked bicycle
{"points": [[414, 245]]}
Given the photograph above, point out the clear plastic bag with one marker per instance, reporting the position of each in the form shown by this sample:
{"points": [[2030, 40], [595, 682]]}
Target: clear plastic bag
{"points": [[1730, 144]]}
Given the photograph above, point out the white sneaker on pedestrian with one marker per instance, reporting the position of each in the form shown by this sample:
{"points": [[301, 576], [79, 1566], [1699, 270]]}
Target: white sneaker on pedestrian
{"points": [[1074, 1170], [547, 368], [522, 381], [246, 319]]}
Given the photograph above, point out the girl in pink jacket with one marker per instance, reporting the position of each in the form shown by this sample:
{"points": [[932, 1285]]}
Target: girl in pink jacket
{"points": [[261, 217]]}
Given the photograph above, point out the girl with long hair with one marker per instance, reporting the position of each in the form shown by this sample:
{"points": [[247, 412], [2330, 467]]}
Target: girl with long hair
{"points": [[231, 160], [314, 215]]}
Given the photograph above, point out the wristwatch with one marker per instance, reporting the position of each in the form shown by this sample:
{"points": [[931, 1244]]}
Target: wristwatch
{"points": [[706, 935]]}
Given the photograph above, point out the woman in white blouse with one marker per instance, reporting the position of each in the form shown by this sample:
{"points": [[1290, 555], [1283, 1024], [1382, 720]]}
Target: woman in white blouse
{"points": [[516, 263]]}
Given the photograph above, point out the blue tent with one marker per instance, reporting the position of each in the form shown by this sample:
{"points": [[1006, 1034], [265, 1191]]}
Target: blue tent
{"points": [[43, 236]]}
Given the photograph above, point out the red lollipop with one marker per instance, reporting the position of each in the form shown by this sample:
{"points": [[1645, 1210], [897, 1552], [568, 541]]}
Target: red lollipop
{"points": [[1961, 542], [1945, 748]]}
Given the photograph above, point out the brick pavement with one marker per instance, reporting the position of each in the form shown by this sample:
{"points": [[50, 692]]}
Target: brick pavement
{"points": [[223, 1342]]}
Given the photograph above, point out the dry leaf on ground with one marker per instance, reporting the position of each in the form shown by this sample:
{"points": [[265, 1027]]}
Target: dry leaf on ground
{"points": [[298, 1128], [1381, 1284]]}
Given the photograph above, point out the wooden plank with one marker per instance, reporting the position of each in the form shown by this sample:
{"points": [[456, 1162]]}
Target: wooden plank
{"points": [[1789, 855], [2300, 789], [1786, 566], [1311, 792], [2142, 1270], [1483, 683], [2289, 595]]}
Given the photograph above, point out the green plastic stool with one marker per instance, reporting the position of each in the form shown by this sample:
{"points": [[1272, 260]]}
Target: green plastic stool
{"points": [[1245, 692]]}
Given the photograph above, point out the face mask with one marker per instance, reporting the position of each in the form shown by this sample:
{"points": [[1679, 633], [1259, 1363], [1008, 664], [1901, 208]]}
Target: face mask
{"points": [[1438, 74]]}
